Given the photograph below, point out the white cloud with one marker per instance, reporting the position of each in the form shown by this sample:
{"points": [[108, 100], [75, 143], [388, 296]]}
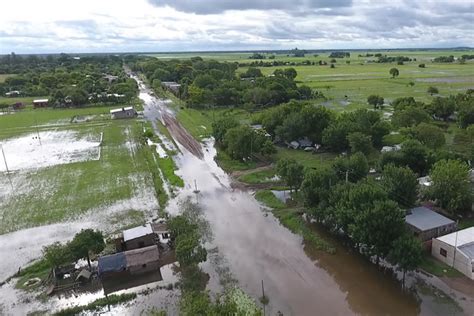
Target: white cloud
{"points": [[28, 26]]}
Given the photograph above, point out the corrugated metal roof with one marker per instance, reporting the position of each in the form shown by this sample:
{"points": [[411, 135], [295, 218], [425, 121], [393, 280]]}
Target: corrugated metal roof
{"points": [[464, 237], [129, 108], [40, 101], [468, 250], [137, 232], [138, 257], [112, 263], [425, 219]]}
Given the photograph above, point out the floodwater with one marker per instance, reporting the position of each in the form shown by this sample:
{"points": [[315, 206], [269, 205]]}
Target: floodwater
{"points": [[256, 247], [251, 244]]}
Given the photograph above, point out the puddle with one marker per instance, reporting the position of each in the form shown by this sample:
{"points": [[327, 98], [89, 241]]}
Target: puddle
{"points": [[49, 149]]}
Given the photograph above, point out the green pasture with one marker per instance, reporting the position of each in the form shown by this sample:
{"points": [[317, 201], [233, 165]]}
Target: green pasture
{"points": [[98, 188]]}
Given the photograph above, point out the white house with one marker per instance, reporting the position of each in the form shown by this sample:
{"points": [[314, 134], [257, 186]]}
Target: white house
{"points": [[456, 250]]}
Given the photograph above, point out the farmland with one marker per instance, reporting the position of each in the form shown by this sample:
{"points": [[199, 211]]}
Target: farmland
{"points": [[112, 179], [353, 79]]}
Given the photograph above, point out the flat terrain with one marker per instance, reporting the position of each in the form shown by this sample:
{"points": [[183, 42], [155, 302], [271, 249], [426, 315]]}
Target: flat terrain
{"points": [[83, 162], [353, 79]]}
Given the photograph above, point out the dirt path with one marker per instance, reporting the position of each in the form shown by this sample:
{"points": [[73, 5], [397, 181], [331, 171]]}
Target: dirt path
{"points": [[182, 136]]}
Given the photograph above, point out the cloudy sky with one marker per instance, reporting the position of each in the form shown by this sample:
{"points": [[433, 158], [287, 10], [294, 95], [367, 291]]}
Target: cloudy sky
{"points": [[48, 26]]}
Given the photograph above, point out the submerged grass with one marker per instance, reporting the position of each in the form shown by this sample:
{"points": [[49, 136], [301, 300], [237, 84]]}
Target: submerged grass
{"points": [[39, 269], [62, 192], [293, 221], [97, 304], [269, 199], [168, 168], [263, 176]]}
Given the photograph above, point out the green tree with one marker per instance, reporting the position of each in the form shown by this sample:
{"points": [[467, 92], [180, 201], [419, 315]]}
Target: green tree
{"points": [[429, 135], [242, 141], [451, 187], [375, 100], [401, 185], [377, 226], [252, 72], [221, 126], [291, 172], [416, 156], [85, 243], [432, 90], [57, 254], [410, 116], [316, 186], [394, 72], [406, 253], [442, 107], [353, 168], [360, 142]]}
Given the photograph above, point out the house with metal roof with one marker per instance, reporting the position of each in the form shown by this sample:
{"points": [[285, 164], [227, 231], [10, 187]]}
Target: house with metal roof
{"points": [[123, 113], [139, 237], [131, 262], [456, 250], [427, 224]]}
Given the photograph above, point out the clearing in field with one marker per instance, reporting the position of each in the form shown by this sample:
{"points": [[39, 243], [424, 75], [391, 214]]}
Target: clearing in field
{"points": [[91, 168], [45, 149]]}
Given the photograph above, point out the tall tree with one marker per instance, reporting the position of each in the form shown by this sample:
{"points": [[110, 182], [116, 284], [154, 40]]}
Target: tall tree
{"points": [[401, 184], [394, 72], [85, 243], [451, 186], [406, 253], [291, 172]]}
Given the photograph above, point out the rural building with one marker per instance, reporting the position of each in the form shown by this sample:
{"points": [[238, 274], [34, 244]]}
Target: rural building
{"points": [[386, 149], [40, 103], [139, 237], [161, 231], [18, 106], [129, 263], [456, 250], [123, 113], [172, 86], [425, 181], [13, 93], [427, 224]]}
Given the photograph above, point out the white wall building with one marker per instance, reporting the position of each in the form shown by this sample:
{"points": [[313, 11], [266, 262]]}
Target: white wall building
{"points": [[456, 250]]}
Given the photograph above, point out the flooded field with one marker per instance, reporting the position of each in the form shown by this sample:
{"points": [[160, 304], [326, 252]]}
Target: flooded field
{"points": [[247, 244], [256, 247], [50, 148]]}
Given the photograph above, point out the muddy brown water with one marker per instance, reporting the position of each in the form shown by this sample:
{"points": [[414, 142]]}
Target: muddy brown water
{"points": [[256, 247], [252, 245]]}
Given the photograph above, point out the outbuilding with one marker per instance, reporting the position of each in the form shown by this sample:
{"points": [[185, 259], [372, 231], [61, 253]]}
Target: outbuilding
{"points": [[40, 103], [139, 237], [427, 224], [123, 113], [456, 250], [129, 262]]}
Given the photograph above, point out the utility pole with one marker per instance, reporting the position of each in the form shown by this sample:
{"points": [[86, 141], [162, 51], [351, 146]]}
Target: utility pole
{"points": [[6, 166], [37, 131], [455, 246], [263, 298], [347, 176]]}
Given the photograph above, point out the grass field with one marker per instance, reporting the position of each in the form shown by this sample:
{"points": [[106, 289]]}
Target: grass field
{"points": [[348, 85], [5, 76], [117, 183]]}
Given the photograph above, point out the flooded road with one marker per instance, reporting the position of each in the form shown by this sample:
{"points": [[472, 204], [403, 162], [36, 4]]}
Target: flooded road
{"points": [[256, 247]]}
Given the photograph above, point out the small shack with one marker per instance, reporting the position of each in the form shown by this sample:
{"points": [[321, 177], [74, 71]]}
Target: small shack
{"points": [[456, 250], [18, 106], [427, 224], [161, 230], [40, 103], [171, 86], [139, 237], [130, 262], [123, 113]]}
